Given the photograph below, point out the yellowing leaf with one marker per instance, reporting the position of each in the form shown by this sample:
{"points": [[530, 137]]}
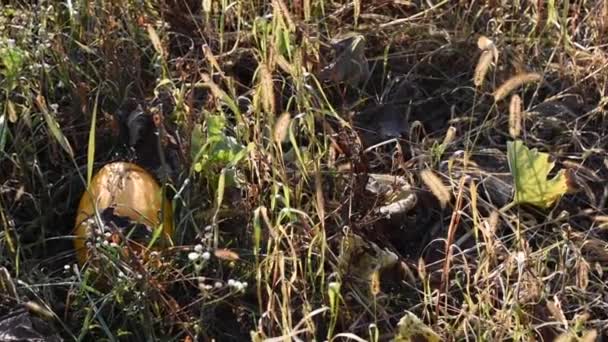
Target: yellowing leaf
{"points": [[411, 328], [530, 169]]}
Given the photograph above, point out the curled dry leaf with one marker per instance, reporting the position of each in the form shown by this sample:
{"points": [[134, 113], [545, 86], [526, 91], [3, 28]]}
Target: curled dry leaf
{"points": [[226, 254], [396, 189], [399, 207]]}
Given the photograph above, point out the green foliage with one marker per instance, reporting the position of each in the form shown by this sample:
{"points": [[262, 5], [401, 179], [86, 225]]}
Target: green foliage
{"points": [[530, 170], [12, 60], [218, 151]]}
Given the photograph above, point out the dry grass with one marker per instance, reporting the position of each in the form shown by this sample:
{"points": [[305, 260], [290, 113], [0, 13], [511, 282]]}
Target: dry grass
{"points": [[279, 179]]}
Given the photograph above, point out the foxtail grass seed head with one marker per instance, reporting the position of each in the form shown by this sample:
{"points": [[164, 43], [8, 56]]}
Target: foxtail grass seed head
{"points": [[281, 128], [514, 82], [449, 136], [484, 43], [493, 221], [483, 65], [434, 183], [515, 116], [267, 89]]}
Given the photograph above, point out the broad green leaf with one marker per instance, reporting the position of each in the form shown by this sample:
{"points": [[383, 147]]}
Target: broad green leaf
{"points": [[219, 149], [224, 149], [530, 170], [215, 126]]}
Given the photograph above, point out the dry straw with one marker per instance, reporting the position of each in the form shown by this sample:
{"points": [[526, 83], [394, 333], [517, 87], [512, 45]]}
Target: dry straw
{"points": [[439, 190], [514, 82], [515, 116]]}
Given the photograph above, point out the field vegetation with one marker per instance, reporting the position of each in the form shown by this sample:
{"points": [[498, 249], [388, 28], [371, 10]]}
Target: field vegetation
{"points": [[407, 170]]}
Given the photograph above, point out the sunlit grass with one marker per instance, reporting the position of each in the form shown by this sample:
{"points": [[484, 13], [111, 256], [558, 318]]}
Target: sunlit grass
{"points": [[271, 183]]}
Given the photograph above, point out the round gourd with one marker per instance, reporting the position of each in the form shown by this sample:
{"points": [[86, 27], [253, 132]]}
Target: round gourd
{"points": [[130, 193]]}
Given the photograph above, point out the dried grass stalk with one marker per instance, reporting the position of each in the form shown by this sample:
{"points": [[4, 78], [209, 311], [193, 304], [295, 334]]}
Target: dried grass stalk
{"points": [[514, 82], [211, 58]]}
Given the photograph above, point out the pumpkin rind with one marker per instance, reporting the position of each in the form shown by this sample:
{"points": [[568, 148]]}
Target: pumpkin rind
{"points": [[132, 192]]}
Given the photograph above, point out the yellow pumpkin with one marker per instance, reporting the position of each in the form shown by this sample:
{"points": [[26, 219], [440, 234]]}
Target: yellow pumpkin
{"points": [[132, 193]]}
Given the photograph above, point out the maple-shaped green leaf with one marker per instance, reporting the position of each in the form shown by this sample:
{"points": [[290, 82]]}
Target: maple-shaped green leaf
{"points": [[530, 170]]}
